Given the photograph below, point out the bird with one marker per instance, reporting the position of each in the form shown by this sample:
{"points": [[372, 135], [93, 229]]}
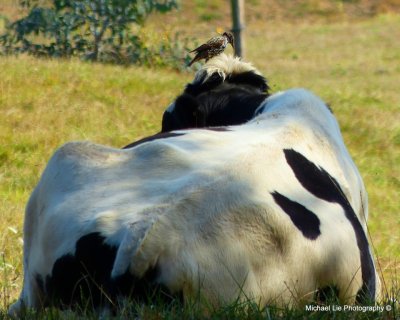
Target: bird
{"points": [[212, 47]]}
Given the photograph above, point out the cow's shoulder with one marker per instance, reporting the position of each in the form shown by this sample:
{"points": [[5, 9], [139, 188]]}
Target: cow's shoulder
{"points": [[87, 152]]}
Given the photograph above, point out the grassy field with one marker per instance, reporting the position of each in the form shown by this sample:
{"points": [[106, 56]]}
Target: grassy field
{"points": [[354, 66]]}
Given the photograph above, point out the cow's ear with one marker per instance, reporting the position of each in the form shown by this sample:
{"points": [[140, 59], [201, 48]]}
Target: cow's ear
{"points": [[131, 247]]}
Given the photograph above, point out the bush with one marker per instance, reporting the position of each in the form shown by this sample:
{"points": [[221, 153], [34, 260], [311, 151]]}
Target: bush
{"points": [[95, 30]]}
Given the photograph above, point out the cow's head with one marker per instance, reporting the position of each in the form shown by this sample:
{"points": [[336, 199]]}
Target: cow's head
{"points": [[226, 91]]}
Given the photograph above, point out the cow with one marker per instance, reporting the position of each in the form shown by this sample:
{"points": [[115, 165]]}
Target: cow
{"points": [[273, 210]]}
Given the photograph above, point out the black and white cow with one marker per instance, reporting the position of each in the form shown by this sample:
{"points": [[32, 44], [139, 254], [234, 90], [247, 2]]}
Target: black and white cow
{"points": [[272, 210]]}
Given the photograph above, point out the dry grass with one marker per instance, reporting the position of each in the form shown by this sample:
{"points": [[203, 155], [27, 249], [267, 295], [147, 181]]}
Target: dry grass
{"points": [[353, 66]]}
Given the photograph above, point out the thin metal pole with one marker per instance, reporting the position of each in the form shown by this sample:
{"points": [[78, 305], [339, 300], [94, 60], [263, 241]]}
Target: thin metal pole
{"points": [[238, 26]]}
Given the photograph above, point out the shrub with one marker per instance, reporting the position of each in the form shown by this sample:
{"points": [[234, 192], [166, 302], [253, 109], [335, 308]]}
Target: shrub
{"points": [[95, 30]]}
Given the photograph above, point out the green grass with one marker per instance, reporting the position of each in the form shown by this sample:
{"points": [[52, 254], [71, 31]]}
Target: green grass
{"points": [[353, 66], [157, 309]]}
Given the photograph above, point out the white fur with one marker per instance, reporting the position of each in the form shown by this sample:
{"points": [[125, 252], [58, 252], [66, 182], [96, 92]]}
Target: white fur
{"points": [[199, 205], [224, 65]]}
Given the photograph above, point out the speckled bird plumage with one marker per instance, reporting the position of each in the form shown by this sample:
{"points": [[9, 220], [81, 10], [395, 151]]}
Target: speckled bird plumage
{"points": [[212, 47]]}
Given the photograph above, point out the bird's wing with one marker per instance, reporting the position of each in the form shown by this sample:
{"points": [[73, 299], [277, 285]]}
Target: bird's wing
{"points": [[203, 47], [212, 43]]}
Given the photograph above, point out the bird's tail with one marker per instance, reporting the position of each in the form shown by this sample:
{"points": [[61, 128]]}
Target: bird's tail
{"points": [[193, 61]]}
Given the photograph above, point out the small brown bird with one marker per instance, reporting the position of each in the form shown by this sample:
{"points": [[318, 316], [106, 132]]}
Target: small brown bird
{"points": [[212, 47]]}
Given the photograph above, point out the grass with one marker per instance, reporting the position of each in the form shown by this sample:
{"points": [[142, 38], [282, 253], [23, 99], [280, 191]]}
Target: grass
{"points": [[354, 66], [157, 309]]}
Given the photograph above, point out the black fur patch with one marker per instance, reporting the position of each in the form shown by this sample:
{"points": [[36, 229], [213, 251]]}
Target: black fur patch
{"points": [[226, 106], [201, 86], [145, 289], [186, 114], [229, 105], [153, 137], [305, 220], [217, 102], [321, 184], [82, 278]]}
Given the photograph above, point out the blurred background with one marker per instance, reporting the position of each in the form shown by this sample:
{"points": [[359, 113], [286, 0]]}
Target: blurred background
{"points": [[158, 33]]}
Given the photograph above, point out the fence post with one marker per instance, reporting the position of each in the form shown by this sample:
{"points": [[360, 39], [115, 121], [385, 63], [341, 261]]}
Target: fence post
{"points": [[238, 26]]}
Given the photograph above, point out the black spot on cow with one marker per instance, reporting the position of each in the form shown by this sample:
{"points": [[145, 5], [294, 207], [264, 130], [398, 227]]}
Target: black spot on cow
{"points": [[152, 138], [321, 184], [217, 102], [305, 220], [315, 179], [82, 278]]}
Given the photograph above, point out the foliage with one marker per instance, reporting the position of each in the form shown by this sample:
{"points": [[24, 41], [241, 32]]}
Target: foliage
{"points": [[96, 30]]}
